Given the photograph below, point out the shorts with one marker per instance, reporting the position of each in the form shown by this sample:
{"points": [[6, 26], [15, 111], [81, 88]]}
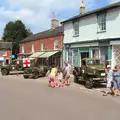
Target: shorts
{"points": [[109, 84]]}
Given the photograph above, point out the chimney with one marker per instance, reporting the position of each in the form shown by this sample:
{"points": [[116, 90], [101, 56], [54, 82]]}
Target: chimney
{"points": [[82, 8], [54, 22]]}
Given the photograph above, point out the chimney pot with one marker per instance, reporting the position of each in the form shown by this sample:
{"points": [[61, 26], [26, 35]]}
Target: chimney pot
{"points": [[82, 8]]}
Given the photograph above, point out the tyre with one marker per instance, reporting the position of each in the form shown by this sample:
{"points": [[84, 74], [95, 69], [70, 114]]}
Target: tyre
{"points": [[89, 83], [35, 75], [5, 72], [75, 79], [25, 76]]}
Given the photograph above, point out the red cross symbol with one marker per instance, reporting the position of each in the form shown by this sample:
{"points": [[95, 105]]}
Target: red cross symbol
{"points": [[26, 63]]}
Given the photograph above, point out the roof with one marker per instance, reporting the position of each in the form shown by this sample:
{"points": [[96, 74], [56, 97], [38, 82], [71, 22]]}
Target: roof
{"points": [[111, 6], [44, 34]]}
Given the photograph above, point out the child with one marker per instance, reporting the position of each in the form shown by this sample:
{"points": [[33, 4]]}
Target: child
{"points": [[60, 78], [52, 76]]}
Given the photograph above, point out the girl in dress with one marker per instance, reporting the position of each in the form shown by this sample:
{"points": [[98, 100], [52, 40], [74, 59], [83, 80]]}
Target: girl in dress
{"points": [[60, 78]]}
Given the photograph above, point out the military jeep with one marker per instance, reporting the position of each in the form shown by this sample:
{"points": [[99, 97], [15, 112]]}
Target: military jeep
{"points": [[91, 71], [35, 72], [15, 65]]}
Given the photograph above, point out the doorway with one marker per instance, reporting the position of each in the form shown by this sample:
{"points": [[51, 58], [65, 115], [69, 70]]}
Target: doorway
{"points": [[84, 55]]}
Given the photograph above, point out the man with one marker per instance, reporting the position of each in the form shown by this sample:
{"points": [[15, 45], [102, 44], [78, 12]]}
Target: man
{"points": [[109, 77], [67, 73]]}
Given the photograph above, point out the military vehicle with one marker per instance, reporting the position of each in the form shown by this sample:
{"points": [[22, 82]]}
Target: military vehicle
{"points": [[15, 65], [35, 72], [92, 71]]}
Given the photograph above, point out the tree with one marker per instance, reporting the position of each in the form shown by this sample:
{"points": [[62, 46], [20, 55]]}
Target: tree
{"points": [[15, 32]]}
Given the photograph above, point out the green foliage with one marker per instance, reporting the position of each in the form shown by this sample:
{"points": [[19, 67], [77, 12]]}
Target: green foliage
{"points": [[14, 32]]}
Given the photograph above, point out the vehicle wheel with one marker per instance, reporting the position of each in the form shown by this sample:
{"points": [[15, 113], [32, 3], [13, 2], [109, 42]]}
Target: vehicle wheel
{"points": [[5, 72], [75, 79], [89, 83], [35, 75], [25, 76]]}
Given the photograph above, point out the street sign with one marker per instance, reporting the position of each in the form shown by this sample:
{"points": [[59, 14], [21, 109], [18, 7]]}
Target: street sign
{"points": [[26, 63]]}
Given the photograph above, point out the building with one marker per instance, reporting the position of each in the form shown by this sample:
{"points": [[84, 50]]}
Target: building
{"points": [[93, 34], [45, 45], [5, 51]]}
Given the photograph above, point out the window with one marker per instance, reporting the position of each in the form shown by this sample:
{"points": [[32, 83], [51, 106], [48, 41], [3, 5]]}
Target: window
{"points": [[101, 21], [22, 49], [42, 46], [96, 53], [33, 48], [4, 53], [55, 44], [93, 62], [76, 28]]}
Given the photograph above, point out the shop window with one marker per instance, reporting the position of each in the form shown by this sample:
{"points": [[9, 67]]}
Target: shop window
{"points": [[75, 53], [70, 56], [101, 21], [95, 53], [76, 28]]}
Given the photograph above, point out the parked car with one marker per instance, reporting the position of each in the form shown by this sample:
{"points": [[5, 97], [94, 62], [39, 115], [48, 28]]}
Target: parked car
{"points": [[92, 71]]}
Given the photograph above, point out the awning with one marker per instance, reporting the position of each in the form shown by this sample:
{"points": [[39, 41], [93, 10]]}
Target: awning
{"points": [[48, 54], [36, 54]]}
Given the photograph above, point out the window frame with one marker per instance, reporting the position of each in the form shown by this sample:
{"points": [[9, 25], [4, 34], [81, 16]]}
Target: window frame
{"points": [[4, 53], [42, 46], [76, 28], [55, 41], [33, 48], [101, 22], [23, 49]]}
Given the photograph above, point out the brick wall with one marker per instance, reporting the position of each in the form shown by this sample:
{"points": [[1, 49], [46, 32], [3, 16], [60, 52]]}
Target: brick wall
{"points": [[49, 44]]}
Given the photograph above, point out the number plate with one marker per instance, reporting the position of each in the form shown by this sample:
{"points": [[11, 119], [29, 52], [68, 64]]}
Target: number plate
{"points": [[102, 74]]}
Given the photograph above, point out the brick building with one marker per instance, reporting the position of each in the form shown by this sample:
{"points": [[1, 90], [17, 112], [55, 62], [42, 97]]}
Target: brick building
{"points": [[5, 51], [46, 46]]}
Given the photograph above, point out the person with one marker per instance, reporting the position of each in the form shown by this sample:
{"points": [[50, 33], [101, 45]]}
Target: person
{"points": [[52, 76], [109, 78], [116, 78], [67, 71], [60, 78]]}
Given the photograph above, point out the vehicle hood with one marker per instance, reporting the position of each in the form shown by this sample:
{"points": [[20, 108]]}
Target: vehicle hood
{"points": [[97, 67]]}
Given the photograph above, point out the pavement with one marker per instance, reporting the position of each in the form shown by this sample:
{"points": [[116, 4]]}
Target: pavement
{"points": [[30, 99]]}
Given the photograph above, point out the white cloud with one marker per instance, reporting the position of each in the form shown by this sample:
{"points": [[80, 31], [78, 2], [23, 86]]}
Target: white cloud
{"points": [[37, 14], [113, 1]]}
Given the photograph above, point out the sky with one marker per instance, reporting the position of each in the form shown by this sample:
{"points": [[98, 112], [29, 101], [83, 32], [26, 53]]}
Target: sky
{"points": [[37, 14]]}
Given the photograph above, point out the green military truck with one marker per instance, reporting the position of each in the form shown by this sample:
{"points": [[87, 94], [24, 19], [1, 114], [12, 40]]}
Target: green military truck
{"points": [[15, 65], [92, 71], [35, 72]]}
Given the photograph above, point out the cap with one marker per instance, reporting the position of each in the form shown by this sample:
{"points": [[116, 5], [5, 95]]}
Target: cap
{"points": [[108, 66]]}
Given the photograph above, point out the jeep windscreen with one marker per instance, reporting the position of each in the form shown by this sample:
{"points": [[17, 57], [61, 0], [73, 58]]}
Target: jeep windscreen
{"points": [[94, 62]]}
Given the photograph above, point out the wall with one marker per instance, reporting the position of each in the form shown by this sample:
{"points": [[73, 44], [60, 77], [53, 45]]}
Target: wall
{"points": [[49, 44], [88, 28]]}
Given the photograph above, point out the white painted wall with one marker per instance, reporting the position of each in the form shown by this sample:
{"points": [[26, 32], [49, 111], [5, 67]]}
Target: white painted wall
{"points": [[88, 28]]}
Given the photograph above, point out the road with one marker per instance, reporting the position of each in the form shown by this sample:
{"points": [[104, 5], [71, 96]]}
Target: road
{"points": [[33, 100]]}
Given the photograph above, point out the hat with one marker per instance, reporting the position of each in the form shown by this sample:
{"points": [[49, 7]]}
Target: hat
{"points": [[108, 66]]}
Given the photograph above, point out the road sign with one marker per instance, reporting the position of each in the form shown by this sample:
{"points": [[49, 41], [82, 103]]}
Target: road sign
{"points": [[26, 63]]}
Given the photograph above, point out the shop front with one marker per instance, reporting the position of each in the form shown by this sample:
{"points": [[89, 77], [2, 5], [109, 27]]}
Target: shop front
{"points": [[75, 52], [115, 52]]}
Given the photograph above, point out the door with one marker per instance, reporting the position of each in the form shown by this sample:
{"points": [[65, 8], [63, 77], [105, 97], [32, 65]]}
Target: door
{"points": [[84, 55]]}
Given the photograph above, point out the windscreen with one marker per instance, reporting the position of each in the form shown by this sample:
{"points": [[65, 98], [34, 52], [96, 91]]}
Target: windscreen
{"points": [[93, 62]]}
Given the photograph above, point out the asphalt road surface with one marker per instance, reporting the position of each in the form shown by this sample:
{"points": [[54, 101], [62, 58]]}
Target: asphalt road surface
{"points": [[33, 100]]}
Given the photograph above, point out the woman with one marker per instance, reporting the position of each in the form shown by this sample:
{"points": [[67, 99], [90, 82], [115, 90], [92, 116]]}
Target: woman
{"points": [[53, 75], [116, 76], [109, 77]]}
